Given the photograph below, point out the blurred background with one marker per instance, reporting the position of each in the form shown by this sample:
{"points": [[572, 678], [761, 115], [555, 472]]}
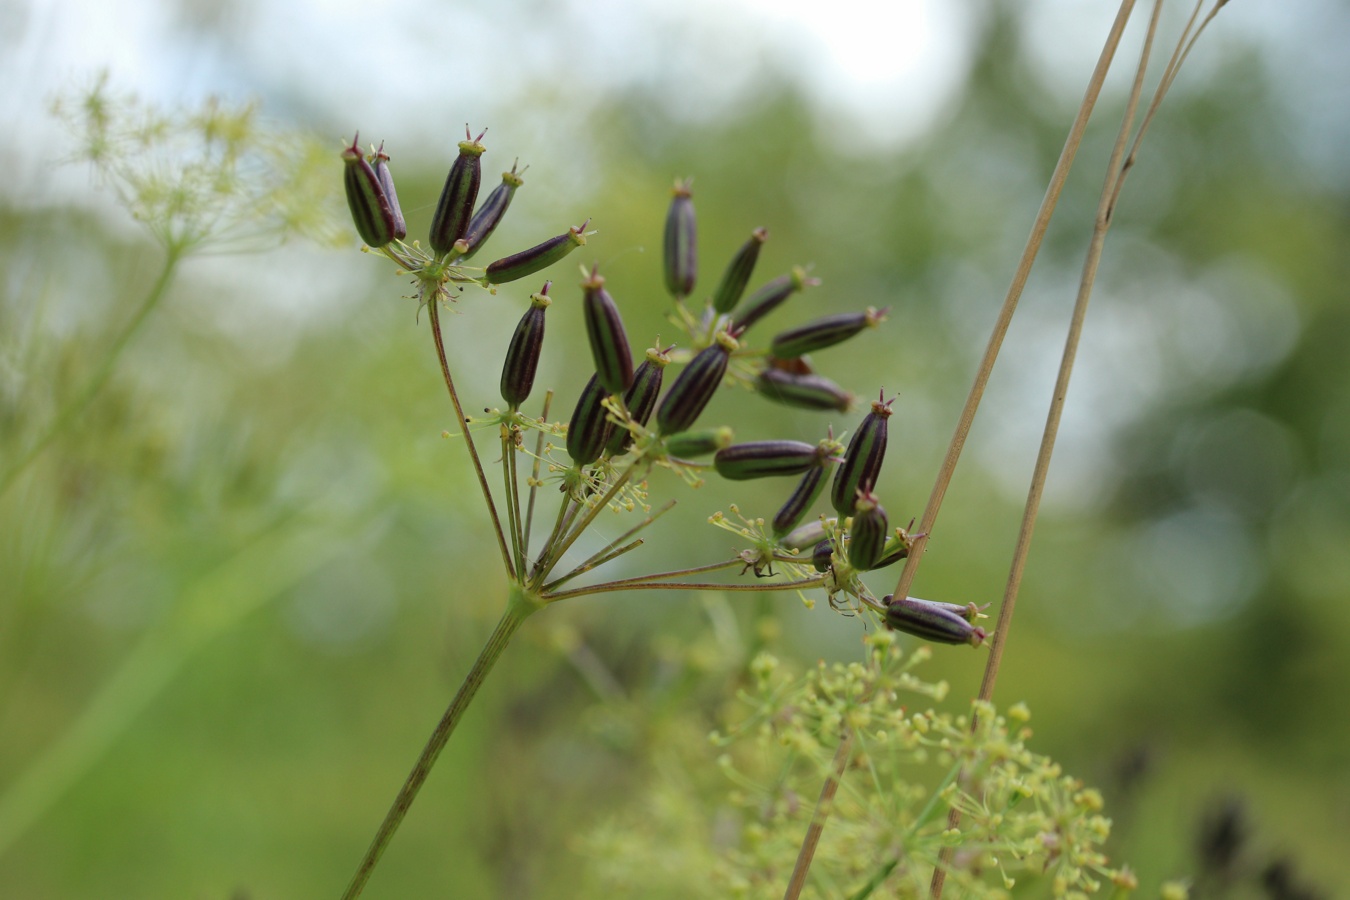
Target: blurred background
{"points": [[236, 594]]}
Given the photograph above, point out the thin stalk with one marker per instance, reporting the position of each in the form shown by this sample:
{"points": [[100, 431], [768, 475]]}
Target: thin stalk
{"points": [[594, 563], [1114, 172], [596, 559], [1019, 280], [881, 874], [534, 472], [433, 314], [76, 404], [575, 531], [513, 497], [611, 586], [537, 573], [695, 570], [824, 806], [520, 606]]}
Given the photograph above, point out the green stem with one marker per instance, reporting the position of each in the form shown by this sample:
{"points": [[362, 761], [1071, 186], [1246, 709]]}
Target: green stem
{"points": [[433, 313], [76, 404], [824, 806], [518, 609], [611, 586]]}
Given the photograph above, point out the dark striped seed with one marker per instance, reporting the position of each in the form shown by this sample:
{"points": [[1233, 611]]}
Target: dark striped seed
{"points": [[771, 296], [609, 341], [681, 242], [867, 537], [366, 199], [932, 622], [490, 214], [822, 555], [694, 387], [537, 258], [805, 494], [862, 460], [522, 356], [822, 333], [455, 207], [590, 428], [803, 391], [640, 399], [737, 275], [387, 185], [763, 459]]}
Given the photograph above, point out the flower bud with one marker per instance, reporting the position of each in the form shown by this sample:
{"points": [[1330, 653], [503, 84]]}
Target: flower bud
{"points": [[693, 444], [771, 296], [372, 209], [762, 459], [694, 387], [681, 250], [641, 398], [932, 621], [803, 391], [538, 257], [590, 427], [490, 213], [609, 342], [522, 357], [737, 276], [867, 537], [455, 207], [862, 460], [805, 494], [822, 333]]}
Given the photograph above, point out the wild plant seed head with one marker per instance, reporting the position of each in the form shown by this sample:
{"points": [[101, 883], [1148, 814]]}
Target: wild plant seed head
{"points": [[763, 459], [694, 387], [490, 214], [590, 428], [537, 258], [867, 536], [609, 341], [932, 622], [822, 333], [387, 185], [522, 356], [737, 275], [681, 242], [803, 391], [862, 460], [694, 444], [641, 398], [372, 211], [455, 207], [771, 296]]}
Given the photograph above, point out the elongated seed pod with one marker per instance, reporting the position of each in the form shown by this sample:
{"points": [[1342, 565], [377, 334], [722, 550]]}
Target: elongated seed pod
{"points": [[490, 214], [641, 398], [522, 357], [932, 622], [681, 242], [694, 387], [763, 459], [867, 537], [807, 535], [537, 258], [387, 185], [803, 391], [609, 341], [590, 428], [892, 553], [822, 333], [738, 272], [822, 555], [805, 494], [455, 207], [862, 460], [771, 296], [693, 444], [970, 612], [366, 198]]}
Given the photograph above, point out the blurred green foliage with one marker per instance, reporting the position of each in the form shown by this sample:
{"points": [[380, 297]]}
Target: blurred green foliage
{"points": [[236, 595]]}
